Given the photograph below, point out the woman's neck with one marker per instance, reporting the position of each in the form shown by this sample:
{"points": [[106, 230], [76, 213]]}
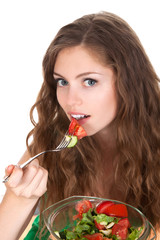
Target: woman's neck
{"points": [[107, 140]]}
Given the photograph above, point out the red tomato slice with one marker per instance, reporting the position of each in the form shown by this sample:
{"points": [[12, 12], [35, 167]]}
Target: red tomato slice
{"points": [[117, 210], [72, 126], [120, 231], [124, 222], [76, 129], [95, 236], [99, 226], [80, 132], [101, 208], [82, 207]]}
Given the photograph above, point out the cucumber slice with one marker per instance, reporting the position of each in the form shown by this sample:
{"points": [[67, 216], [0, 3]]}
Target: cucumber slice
{"points": [[73, 141]]}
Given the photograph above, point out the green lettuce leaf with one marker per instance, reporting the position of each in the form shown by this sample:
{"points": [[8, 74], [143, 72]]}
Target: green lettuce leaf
{"points": [[135, 233], [104, 218]]}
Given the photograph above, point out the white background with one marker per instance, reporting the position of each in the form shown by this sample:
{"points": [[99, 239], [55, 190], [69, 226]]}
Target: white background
{"points": [[26, 29]]}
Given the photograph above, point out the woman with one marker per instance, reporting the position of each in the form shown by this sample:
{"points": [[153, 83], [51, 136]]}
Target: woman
{"points": [[97, 70]]}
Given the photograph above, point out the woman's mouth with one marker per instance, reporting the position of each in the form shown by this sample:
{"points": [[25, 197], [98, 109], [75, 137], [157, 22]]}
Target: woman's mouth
{"points": [[79, 116]]}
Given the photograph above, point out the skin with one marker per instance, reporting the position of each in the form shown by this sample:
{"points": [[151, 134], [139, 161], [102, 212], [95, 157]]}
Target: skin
{"points": [[86, 86]]}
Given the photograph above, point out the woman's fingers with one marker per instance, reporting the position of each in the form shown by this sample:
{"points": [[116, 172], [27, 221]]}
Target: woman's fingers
{"points": [[38, 185], [29, 182], [9, 169], [35, 163], [29, 174], [16, 173], [15, 178]]}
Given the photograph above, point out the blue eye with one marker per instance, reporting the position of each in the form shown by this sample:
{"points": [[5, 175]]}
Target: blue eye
{"points": [[89, 82], [61, 82]]}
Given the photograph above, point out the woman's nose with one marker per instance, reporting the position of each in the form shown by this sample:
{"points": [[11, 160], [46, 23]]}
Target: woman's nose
{"points": [[74, 97]]}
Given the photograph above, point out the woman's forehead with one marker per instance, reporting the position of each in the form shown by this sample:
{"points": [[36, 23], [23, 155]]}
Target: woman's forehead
{"points": [[91, 51]]}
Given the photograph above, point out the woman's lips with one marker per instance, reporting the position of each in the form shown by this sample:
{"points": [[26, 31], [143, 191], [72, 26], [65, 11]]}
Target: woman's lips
{"points": [[83, 120], [78, 116]]}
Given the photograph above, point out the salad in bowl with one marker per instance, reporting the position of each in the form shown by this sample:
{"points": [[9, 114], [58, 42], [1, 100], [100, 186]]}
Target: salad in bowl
{"points": [[93, 218]]}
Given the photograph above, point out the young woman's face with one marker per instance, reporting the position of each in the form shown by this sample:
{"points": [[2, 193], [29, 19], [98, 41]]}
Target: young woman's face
{"points": [[85, 88]]}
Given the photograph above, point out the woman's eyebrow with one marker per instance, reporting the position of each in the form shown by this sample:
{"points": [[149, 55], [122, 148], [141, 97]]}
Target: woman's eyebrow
{"points": [[54, 73], [87, 73], [79, 75]]}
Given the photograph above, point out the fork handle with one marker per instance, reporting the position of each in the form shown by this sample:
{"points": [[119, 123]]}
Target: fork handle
{"points": [[27, 162], [31, 159]]}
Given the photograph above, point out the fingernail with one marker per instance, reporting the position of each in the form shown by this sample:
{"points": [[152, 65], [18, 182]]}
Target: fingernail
{"points": [[10, 168]]}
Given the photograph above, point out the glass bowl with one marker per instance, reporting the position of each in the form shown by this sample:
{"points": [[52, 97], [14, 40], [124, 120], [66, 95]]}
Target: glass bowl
{"points": [[59, 216]]}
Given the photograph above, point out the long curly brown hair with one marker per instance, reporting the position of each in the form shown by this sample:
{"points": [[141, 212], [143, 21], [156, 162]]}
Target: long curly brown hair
{"points": [[137, 123]]}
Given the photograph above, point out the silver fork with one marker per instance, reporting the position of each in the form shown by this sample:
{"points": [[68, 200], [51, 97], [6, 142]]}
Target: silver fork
{"points": [[63, 144]]}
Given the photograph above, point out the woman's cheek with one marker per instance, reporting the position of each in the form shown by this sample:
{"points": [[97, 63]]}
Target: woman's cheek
{"points": [[60, 97]]}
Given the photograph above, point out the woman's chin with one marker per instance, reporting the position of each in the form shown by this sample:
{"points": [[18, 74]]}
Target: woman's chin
{"points": [[91, 133]]}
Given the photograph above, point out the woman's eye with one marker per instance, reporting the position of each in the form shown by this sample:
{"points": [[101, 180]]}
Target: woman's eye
{"points": [[89, 82], [61, 82]]}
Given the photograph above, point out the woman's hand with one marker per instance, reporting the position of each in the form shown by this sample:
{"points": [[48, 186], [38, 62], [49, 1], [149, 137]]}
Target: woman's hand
{"points": [[24, 188], [30, 182]]}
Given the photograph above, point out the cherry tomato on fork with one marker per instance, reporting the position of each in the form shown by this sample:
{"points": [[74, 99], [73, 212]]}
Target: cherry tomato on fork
{"points": [[72, 126], [76, 129], [80, 132]]}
